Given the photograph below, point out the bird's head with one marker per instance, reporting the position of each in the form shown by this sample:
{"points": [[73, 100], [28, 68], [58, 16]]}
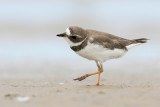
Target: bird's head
{"points": [[73, 35]]}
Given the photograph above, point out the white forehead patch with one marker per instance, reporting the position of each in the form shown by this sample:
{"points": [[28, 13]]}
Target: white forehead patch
{"points": [[68, 32]]}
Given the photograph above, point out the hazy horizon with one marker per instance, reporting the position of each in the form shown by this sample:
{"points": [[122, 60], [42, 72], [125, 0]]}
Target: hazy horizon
{"points": [[28, 30]]}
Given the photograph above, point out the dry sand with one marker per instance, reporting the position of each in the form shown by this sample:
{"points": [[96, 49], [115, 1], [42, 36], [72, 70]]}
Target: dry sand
{"points": [[117, 90]]}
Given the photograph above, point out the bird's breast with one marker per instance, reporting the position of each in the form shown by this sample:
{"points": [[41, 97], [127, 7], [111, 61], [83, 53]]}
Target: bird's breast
{"points": [[99, 53]]}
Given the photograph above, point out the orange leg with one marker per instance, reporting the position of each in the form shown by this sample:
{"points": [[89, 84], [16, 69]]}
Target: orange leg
{"points": [[98, 79], [100, 70], [85, 76], [99, 73]]}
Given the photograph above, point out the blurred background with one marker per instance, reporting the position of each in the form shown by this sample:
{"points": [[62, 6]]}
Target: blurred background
{"points": [[29, 46]]}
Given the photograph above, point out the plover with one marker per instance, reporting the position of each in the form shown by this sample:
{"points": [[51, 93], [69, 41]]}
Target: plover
{"points": [[97, 46]]}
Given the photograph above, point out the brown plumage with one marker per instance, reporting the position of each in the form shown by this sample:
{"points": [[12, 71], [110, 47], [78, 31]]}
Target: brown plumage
{"points": [[97, 46], [105, 39]]}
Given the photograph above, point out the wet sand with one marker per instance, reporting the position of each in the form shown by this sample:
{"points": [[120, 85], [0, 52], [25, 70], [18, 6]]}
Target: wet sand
{"points": [[117, 90]]}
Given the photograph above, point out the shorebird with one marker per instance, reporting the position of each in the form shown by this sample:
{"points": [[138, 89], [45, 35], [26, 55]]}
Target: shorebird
{"points": [[97, 46]]}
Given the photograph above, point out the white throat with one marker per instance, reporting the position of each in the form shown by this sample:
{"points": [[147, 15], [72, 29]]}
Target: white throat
{"points": [[72, 43]]}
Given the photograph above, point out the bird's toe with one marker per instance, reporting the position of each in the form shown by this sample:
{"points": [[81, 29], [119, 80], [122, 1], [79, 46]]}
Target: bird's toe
{"points": [[81, 78]]}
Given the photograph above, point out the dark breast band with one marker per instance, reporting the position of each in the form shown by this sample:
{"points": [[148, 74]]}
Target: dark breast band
{"points": [[81, 46]]}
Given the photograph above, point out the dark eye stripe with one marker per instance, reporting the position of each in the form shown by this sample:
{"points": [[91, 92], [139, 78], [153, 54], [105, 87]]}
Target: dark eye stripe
{"points": [[73, 37]]}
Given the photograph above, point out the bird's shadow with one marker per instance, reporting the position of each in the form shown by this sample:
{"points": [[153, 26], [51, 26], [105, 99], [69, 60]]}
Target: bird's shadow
{"points": [[104, 86]]}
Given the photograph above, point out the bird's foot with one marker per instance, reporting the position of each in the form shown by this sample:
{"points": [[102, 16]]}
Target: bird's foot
{"points": [[97, 84], [82, 77]]}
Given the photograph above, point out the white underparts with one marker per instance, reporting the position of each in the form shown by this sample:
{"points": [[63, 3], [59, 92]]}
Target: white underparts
{"points": [[99, 53]]}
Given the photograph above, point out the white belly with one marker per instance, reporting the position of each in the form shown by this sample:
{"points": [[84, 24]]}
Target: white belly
{"points": [[99, 53]]}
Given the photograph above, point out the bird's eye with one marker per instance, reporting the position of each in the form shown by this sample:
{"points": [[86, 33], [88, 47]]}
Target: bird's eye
{"points": [[73, 37]]}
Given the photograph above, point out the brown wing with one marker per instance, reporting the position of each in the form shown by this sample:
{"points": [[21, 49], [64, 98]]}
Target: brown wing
{"points": [[108, 40]]}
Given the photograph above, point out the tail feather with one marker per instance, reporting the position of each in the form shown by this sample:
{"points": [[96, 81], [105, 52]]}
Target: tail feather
{"points": [[137, 42], [142, 40]]}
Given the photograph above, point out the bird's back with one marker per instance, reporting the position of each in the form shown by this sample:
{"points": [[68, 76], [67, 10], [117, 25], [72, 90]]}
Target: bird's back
{"points": [[108, 40]]}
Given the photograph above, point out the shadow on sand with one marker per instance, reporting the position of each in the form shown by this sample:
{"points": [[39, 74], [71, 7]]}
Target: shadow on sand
{"points": [[103, 86]]}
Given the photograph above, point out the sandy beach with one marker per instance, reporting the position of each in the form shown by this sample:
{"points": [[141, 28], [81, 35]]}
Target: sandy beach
{"points": [[117, 90]]}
